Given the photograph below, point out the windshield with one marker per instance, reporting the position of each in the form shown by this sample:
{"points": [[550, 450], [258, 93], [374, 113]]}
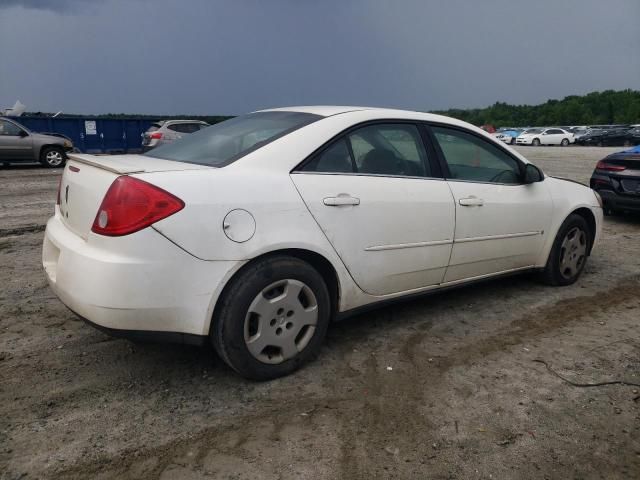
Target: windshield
{"points": [[532, 130], [225, 142]]}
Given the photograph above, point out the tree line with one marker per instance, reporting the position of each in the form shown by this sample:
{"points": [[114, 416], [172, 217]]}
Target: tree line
{"points": [[595, 108]]}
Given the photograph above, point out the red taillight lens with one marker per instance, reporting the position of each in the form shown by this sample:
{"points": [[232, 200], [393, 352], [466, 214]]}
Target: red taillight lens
{"points": [[608, 167], [156, 135], [131, 205]]}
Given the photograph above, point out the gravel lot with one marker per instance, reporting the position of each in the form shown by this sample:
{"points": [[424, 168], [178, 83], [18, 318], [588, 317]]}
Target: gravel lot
{"points": [[463, 397]]}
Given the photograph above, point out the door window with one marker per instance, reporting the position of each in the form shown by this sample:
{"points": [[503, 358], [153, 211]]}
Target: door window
{"points": [[8, 129], [379, 149], [473, 159], [334, 159]]}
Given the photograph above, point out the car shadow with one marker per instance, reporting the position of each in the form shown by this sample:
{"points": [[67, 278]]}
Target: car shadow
{"points": [[22, 166], [180, 363]]}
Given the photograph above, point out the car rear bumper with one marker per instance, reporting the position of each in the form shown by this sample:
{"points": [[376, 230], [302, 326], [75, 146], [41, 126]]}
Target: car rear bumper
{"points": [[136, 286], [615, 201]]}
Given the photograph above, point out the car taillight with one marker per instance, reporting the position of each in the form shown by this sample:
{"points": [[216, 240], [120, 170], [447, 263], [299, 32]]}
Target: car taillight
{"points": [[156, 135], [609, 167], [59, 187], [131, 205]]}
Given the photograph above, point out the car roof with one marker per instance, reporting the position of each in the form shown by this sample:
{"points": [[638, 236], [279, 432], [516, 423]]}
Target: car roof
{"points": [[372, 113]]}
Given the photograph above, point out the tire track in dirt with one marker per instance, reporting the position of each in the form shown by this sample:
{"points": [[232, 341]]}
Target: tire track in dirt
{"points": [[369, 422]]}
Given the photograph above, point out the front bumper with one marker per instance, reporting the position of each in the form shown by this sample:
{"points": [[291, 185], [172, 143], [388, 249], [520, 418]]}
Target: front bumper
{"points": [[137, 284]]}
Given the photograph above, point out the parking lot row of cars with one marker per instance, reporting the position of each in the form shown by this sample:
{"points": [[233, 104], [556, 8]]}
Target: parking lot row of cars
{"points": [[601, 135]]}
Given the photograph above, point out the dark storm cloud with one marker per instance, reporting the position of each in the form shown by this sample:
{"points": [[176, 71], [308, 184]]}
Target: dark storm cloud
{"points": [[214, 56]]}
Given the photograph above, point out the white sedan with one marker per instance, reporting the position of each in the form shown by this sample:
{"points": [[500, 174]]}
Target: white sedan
{"points": [[545, 136], [255, 233]]}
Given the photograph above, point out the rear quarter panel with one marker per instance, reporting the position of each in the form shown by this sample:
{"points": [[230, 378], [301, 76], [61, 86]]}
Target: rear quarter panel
{"points": [[282, 221]]}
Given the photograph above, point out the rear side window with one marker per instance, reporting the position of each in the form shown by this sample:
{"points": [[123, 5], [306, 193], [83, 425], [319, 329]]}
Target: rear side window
{"points": [[225, 142], [378, 149], [474, 159]]}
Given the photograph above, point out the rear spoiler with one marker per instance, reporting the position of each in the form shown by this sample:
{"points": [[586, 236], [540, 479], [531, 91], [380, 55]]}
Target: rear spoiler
{"points": [[105, 162]]}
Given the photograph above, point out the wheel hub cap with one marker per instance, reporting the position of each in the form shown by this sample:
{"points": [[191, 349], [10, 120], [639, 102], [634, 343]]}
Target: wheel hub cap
{"points": [[573, 252], [280, 321]]}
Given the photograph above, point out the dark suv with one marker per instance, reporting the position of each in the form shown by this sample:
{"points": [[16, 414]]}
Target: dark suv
{"points": [[617, 179], [19, 144]]}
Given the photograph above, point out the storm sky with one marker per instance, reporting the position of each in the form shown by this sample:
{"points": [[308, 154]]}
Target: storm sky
{"points": [[229, 57]]}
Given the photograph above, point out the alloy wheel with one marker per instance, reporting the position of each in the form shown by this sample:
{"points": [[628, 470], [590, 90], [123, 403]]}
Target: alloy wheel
{"points": [[54, 158]]}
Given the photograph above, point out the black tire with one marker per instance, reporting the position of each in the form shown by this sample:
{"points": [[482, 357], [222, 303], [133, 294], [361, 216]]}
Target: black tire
{"points": [[53, 157], [513, 141], [228, 329], [564, 142], [552, 273], [535, 142]]}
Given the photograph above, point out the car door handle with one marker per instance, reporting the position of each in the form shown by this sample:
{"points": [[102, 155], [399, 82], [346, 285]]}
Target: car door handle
{"points": [[471, 202], [340, 200]]}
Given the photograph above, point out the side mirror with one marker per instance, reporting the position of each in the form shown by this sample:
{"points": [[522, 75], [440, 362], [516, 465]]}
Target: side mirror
{"points": [[532, 174], [23, 134]]}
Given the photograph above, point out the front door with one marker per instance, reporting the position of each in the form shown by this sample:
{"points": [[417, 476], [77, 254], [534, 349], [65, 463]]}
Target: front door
{"points": [[373, 194], [501, 223], [14, 146]]}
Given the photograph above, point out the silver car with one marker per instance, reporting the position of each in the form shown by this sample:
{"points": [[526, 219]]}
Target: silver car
{"points": [[19, 144], [166, 131]]}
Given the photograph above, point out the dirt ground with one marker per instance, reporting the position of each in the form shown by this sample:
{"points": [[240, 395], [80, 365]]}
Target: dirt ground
{"points": [[441, 387]]}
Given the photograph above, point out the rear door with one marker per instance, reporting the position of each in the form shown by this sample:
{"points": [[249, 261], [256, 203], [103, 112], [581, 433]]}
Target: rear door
{"points": [[500, 222], [378, 196]]}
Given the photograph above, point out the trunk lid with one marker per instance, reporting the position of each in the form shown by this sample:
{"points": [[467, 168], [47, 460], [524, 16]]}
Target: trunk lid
{"points": [[86, 179]]}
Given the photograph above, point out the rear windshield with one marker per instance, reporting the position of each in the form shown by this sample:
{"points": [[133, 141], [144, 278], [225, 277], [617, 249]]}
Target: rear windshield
{"points": [[225, 142], [154, 127]]}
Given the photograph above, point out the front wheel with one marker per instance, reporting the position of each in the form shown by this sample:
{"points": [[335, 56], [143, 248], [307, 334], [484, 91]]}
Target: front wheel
{"points": [[536, 142], [569, 252], [272, 318], [564, 142], [53, 157]]}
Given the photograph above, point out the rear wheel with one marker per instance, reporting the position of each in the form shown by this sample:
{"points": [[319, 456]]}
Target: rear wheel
{"points": [[272, 318], [565, 142], [569, 252], [536, 142], [53, 157]]}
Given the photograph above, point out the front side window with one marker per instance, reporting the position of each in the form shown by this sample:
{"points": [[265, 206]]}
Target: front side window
{"points": [[8, 129], [474, 159], [379, 149], [226, 142]]}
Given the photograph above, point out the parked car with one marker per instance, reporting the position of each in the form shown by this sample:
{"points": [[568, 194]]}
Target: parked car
{"points": [[508, 136], [609, 137], [545, 136], [256, 232], [617, 179], [167, 131], [19, 144]]}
